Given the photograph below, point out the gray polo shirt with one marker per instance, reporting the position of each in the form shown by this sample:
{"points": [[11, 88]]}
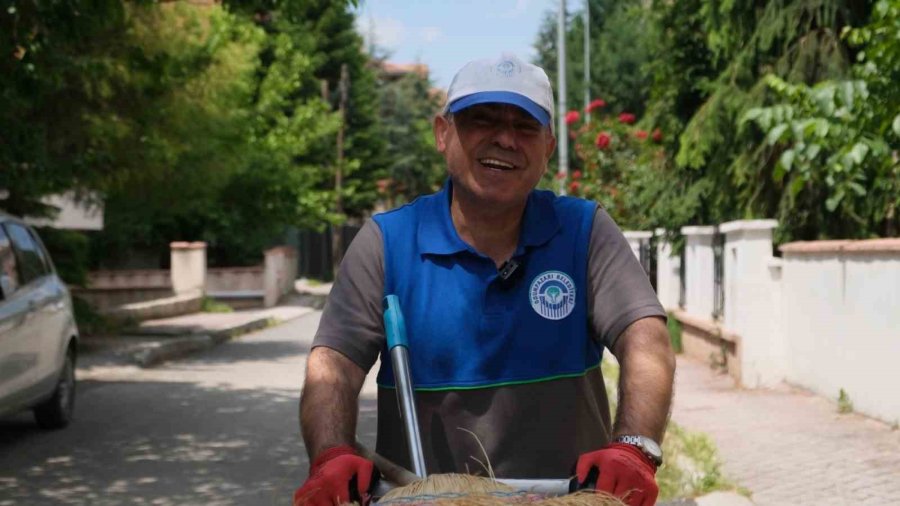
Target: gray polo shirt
{"points": [[516, 425]]}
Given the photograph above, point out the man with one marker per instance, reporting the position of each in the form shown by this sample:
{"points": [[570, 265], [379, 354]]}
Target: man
{"points": [[509, 295]]}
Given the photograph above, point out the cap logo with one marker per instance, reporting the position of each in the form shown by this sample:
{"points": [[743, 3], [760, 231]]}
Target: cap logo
{"points": [[552, 295], [506, 68]]}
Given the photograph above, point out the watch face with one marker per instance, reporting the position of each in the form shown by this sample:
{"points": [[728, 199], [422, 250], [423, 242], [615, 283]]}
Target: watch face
{"points": [[652, 450], [651, 447]]}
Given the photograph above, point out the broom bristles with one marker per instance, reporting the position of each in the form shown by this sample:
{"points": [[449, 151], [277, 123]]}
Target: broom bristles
{"points": [[468, 490]]}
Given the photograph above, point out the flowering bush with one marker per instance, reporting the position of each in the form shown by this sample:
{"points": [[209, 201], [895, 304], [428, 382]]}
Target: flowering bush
{"points": [[613, 159], [627, 118], [595, 104], [602, 141], [572, 117]]}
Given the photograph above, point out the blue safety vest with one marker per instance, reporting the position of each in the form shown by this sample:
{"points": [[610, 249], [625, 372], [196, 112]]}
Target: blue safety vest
{"points": [[469, 328]]}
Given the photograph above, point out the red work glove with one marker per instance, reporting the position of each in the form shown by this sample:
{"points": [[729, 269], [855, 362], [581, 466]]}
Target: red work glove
{"points": [[624, 471], [337, 476]]}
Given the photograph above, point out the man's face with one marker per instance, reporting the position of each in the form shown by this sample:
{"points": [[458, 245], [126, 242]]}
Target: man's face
{"points": [[496, 153]]}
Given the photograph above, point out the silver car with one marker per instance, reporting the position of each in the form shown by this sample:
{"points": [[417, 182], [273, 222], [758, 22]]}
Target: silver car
{"points": [[38, 335]]}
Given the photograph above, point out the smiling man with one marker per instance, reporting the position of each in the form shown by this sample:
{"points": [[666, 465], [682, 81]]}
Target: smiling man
{"points": [[510, 295]]}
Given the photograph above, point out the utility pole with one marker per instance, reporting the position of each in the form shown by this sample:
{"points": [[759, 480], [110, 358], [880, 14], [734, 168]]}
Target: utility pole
{"points": [[562, 137], [587, 59], [337, 240]]}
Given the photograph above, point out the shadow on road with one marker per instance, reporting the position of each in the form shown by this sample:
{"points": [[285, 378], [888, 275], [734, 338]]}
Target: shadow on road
{"points": [[162, 443]]}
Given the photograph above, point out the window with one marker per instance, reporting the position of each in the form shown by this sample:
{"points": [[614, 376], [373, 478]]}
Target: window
{"points": [[41, 251], [28, 253], [9, 276]]}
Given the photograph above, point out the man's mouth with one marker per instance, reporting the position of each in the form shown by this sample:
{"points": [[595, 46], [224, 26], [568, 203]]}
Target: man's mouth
{"points": [[496, 164]]}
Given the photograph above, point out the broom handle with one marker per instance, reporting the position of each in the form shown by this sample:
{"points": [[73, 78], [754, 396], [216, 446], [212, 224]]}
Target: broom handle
{"points": [[396, 474], [395, 328]]}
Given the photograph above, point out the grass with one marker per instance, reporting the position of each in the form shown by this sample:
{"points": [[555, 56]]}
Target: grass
{"points": [[675, 333], [210, 305], [845, 405], [692, 467]]}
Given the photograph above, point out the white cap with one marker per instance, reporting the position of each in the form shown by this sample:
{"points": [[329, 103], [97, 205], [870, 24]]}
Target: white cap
{"points": [[505, 80]]}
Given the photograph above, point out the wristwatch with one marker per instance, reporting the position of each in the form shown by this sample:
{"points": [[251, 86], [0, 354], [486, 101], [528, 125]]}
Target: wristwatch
{"points": [[648, 447]]}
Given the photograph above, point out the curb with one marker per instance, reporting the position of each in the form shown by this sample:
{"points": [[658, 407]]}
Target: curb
{"points": [[165, 349], [310, 299], [160, 351]]}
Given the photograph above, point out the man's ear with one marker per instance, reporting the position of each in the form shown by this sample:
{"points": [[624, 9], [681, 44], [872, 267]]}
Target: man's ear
{"points": [[551, 145], [440, 126]]}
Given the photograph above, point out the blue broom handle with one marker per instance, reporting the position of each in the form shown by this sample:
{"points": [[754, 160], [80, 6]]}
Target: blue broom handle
{"points": [[398, 346]]}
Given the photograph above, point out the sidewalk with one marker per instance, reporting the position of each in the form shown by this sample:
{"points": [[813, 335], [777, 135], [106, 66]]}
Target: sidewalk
{"points": [[788, 446], [155, 341]]}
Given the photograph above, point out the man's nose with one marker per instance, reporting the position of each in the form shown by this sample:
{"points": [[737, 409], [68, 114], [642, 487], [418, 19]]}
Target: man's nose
{"points": [[505, 135]]}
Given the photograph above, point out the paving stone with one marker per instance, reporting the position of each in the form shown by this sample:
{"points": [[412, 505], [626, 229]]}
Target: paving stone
{"points": [[787, 445]]}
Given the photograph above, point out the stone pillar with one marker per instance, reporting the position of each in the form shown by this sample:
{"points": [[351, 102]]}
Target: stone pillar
{"points": [[188, 267], [752, 293], [699, 284], [636, 239], [279, 273], [667, 272]]}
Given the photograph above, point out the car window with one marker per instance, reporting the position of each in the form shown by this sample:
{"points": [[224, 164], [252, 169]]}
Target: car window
{"points": [[9, 274], [41, 251], [31, 265]]}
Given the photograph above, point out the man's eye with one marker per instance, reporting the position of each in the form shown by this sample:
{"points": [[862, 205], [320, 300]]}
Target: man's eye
{"points": [[528, 127]]}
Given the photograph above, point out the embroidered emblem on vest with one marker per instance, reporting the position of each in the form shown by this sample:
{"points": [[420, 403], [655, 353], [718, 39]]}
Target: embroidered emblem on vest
{"points": [[552, 295]]}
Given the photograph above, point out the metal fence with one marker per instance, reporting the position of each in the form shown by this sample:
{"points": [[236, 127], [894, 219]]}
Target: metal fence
{"points": [[682, 278], [718, 274], [315, 252]]}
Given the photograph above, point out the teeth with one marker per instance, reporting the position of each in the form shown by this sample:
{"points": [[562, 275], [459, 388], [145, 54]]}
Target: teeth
{"points": [[499, 163]]}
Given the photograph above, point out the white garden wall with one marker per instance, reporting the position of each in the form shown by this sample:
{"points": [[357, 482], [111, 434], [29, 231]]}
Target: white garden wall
{"points": [[826, 316], [842, 321]]}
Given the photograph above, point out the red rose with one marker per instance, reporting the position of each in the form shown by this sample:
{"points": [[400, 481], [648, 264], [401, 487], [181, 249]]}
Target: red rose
{"points": [[641, 134], [576, 174], [603, 140], [657, 135], [572, 117], [595, 104], [627, 118], [574, 186]]}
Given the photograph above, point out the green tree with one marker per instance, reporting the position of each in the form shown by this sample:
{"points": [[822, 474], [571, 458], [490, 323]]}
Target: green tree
{"points": [[729, 167], [324, 29], [837, 141], [57, 65], [407, 109], [224, 146], [620, 35], [743, 130]]}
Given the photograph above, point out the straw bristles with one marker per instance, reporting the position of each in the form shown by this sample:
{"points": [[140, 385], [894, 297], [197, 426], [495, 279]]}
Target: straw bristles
{"points": [[468, 490]]}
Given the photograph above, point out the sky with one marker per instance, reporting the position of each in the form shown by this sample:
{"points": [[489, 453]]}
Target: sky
{"points": [[445, 34]]}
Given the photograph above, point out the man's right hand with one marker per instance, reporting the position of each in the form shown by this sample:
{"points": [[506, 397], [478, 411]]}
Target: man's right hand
{"points": [[337, 476]]}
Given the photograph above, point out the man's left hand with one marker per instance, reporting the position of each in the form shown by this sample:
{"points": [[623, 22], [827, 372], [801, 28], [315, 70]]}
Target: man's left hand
{"points": [[624, 471]]}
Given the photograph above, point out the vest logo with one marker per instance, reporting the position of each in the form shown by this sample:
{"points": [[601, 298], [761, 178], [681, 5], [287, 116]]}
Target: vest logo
{"points": [[552, 295]]}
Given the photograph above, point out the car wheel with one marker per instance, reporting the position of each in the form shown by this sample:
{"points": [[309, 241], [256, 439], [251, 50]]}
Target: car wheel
{"points": [[56, 412]]}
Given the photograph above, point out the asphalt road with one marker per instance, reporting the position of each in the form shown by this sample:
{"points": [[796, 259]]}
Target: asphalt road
{"points": [[217, 428]]}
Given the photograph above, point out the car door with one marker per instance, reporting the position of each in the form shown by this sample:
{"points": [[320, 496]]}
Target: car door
{"points": [[46, 323], [18, 353]]}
